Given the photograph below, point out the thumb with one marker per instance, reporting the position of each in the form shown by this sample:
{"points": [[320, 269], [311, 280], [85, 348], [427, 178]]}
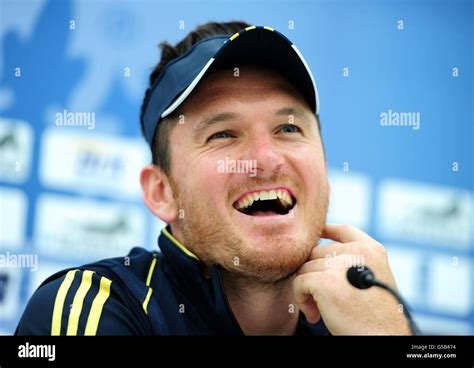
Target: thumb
{"points": [[302, 289], [310, 310]]}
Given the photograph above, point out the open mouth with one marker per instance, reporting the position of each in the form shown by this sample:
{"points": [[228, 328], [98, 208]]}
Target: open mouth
{"points": [[266, 203]]}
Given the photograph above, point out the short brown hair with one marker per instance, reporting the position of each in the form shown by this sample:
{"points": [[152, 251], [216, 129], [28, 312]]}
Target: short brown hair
{"points": [[160, 148]]}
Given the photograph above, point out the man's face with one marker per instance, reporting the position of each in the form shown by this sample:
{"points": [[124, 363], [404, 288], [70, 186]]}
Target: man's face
{"points": [[228, 125]]}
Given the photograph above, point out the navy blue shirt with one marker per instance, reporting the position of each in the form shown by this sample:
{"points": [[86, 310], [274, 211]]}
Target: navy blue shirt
{"points": [[145, 293]]}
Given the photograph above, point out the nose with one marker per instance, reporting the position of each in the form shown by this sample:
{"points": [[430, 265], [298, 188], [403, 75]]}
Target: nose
{"points": [[269, 158]]}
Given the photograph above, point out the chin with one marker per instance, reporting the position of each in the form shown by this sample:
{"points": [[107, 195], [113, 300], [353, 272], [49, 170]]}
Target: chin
{"points": [[269, 273], [276, 245], [273, 261]]}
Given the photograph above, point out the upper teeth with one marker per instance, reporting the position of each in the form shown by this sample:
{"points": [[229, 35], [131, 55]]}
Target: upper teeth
{"points": [[265, 195]]}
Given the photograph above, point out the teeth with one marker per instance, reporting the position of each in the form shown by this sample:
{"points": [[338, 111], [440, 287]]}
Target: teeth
{"points": [[286, 199], [251, 200], [248, 200]]}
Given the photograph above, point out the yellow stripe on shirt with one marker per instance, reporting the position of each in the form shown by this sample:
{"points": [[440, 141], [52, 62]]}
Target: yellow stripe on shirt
{"points": [[77, 303], [97, 306], [150, 272], [59, 303], [147, 299], [148, 282], [178, 244]]}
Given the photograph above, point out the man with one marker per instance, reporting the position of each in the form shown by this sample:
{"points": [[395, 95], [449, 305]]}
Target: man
{"points": [[240, 177]]}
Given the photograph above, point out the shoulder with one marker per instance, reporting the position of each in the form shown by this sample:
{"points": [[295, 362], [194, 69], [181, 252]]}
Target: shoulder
{"points": [[88, 300]]}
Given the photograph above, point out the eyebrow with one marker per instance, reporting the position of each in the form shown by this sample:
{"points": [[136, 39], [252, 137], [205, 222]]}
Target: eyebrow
{"points": [[222, 117], [296, 112], [213, 120]]}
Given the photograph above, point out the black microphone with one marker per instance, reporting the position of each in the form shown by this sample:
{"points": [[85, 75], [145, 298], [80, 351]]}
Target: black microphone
{"points": [[362, 277]]}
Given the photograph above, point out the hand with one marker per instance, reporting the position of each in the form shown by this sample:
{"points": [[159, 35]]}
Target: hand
{"points": [[322, 291]]}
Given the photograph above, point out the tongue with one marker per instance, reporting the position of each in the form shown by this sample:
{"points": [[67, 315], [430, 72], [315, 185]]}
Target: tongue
{"points": [[263, 213]]}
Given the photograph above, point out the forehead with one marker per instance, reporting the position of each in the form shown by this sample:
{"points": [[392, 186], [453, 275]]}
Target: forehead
{"points": [[247, 84]]}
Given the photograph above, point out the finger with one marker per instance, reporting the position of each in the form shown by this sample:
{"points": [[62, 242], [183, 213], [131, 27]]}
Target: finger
{"points": [[304, 291], [330, 250], [321, 246], [344, 233], [311, 312], [316, 265]]}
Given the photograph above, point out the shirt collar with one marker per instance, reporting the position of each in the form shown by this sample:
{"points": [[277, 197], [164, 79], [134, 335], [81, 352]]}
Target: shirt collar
{"points": [[206, 293]]}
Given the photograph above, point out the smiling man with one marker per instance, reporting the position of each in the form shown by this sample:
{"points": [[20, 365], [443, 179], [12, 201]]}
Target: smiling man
{"points": [[240, 253]]}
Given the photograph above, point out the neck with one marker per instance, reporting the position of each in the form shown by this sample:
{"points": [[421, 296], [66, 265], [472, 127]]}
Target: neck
{"points": [[262, 309]]}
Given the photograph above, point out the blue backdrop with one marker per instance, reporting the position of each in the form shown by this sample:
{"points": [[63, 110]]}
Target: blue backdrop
{"points": [[396, 90]]}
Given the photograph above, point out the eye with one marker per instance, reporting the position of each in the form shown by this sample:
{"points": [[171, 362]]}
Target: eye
{"points": [[219, 135], [290, 128]]}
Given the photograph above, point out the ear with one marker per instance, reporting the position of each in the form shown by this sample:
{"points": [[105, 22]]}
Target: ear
{"points": [[327, 181], [157, 193]]}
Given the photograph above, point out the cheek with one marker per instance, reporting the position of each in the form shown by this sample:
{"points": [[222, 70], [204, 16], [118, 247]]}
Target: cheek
{"points": [[311, 166], [198, 177], [208, 182]]}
